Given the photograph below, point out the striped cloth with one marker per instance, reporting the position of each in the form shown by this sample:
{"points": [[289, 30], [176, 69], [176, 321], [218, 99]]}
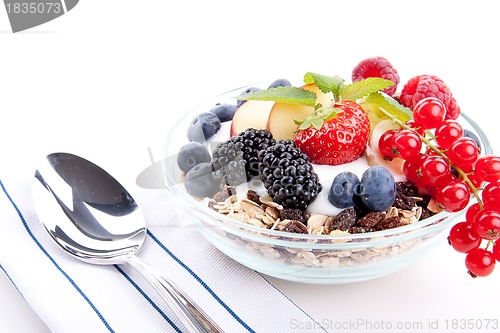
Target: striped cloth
{"points": [[72, 296]]}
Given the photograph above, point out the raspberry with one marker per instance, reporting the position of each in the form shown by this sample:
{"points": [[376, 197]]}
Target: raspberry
{"points": [[423, 86], [376, 67]]}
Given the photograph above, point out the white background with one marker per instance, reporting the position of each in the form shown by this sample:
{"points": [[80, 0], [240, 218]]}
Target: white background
{"points": [[78, 76]]}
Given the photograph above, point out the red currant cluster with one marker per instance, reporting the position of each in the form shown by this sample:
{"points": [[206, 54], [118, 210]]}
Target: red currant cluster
{"points": [[450, 170]]}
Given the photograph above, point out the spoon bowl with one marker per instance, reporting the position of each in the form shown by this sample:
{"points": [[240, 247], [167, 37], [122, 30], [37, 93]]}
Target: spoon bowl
{"points": [[101, 224], [92, 216]]}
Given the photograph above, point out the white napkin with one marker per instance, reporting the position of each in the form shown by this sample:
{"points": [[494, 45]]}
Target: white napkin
{"points": [[73, 296]]}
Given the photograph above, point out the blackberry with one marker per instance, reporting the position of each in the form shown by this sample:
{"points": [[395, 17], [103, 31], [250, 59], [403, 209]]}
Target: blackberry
{"points": [[288, 176], [236, 160]]}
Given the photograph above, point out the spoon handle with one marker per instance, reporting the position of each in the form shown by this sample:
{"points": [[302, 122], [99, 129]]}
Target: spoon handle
{"points": [[188, 312]]}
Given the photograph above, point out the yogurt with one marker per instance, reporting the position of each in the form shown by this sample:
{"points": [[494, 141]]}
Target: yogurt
{"points": [[326, 174]]}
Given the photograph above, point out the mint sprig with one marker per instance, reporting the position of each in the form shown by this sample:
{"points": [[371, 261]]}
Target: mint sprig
{"points": [[288, 94], [325, 83], [389, 105], [320, 115], [360, 89]]}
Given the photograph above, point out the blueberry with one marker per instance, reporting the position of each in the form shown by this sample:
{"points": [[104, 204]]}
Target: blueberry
{"points": [[200, 181], [191, 154], [377, 189], [203, 127], [247, 91], [225, 112], [470, 134], [344, 188], [280, 83]]}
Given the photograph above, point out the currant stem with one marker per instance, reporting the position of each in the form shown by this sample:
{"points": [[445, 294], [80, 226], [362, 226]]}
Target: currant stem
{"points": [[429, 144]]}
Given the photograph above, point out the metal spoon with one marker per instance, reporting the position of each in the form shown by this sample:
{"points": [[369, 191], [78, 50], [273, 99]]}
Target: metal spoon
{"points": [[93, 218]]}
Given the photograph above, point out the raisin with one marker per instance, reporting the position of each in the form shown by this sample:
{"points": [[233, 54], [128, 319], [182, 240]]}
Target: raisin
{"points": [[425, 200], [360, 230], [296, 227], [408, 188], [371, 219], [403, 201], [359, 208], [225, 193], [425, 213], [389, 223], [344, 220], [293, 214], [252, 195]]}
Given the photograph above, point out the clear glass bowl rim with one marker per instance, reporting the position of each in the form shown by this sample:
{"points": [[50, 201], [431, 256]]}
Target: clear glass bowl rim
{"points": [[263, 235]]}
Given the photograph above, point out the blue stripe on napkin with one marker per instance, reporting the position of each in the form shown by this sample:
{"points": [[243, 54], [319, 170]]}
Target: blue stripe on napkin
{"points": [[129, 279], [11, 281], [153, 304], [203, 283], [25, 224]]}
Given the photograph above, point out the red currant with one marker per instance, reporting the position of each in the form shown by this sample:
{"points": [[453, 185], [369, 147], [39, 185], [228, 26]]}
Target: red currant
{"points": [[414, 126], [480, 262], [487, 224], [463, 153], [454, 196], [488, 168], [449, 132], [429, 113], [463, 238], [407, 143], [412, 169], [475, 179], [491, 196], [386, 144], [472, 212], [496, 250], [435, 170], [431, 152]]}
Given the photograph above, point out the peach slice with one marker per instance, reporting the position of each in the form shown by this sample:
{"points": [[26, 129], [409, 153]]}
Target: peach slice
{"points": [[251, 114]]}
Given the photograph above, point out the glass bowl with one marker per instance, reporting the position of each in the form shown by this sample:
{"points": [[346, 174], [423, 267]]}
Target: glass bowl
{"points": [[315, 259]]}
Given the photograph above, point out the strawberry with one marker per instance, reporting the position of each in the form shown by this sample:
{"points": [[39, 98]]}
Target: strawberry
{"points": [[335, 135]]}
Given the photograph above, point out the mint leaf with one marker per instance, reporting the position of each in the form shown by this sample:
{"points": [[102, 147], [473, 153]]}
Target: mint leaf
{"points": [[390, 105], [325, 83], [286, 94], [364, 87], [320, 115]]}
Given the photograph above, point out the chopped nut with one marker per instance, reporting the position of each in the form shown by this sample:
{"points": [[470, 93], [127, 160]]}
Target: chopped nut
{"points": [[252, 209], [393, 211], [267, 221], [316, 223], [272, 212], [434, 207], [266, 199]]}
